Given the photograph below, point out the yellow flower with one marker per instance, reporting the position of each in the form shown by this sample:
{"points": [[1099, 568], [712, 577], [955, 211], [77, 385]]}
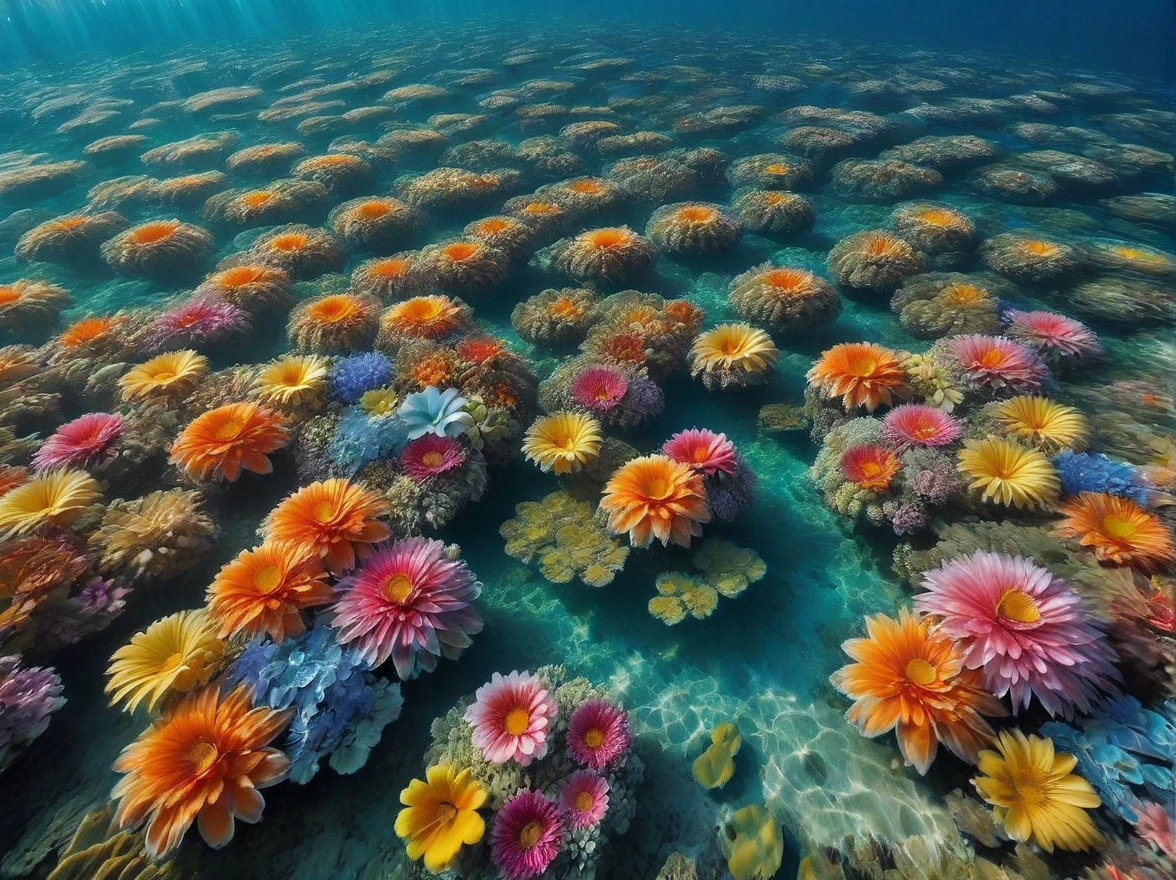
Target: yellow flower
{"points": [[441, 815], [738, 347], [1035, 795], [293, 380], [173, 374], [56, 497], [1008, 473], [1043, 422], [174, 655], [563, 442], [379, 402]]}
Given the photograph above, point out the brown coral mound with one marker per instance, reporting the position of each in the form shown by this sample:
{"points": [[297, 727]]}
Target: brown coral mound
{"points": [[693, 229], [882, 180], [340, 173], [462, 266], [254, 288], [26, 303], [654, 179], [935, 229], [873, 260], [283, 201], [69, 240], [582, 196], [1028, 259], [556, 317], [302, 252], [451, 188], [376, 224], [947, 303], [773, 212], [160, 249], [611, 255], [783, 298], [771, 171], [338, 323], [510, 235], [265, 160], [388, 278], [188, 190], [156, 537]]}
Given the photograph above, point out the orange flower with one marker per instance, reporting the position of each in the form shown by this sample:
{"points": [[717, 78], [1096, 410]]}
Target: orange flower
{"points": [[480, 349], [264, 590], [224, 440], [1118, 530], [908, 677], [870, 467], [334, 519], [86, 330], [424, 317], [202, 762], [860, 373], [655, 497]]}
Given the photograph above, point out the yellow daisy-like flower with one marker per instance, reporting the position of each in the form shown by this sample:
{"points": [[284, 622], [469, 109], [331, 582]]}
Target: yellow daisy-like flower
{"points": [[379, 401], [1008, 473], [174, 655], [440, 815], [733, 347], [54, 497], [1034, 794], [1045, 423], [563, 443], [173, 374], [294, 380]]}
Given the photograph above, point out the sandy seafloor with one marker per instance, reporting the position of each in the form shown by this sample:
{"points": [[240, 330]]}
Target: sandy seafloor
{"points": [[762, 660]]}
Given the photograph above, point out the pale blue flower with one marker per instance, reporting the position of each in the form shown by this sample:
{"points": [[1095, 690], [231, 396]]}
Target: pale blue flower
{"points": [[435, 412]]}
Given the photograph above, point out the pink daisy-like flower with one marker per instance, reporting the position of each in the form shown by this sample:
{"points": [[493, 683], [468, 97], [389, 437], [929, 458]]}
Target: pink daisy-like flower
{"points": [[510, 716], [527, 835], [598, 734], [997, 363], [705, 451], [431, 455], [1154, 824], [1024, 628], [869, 466], [201, 319], [583, 797], [916, 424], [411, 602], [599, 388], [1051, 333], [79, 442]]}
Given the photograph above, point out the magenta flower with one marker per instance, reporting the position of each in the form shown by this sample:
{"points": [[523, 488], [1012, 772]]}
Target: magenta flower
{"points": [[411, 602], [705, 451], [598, 734], [995, 362], [583, 797], [79, 442], [600, 388], [916, 424], [527, 835], [510, 717], [1024, 628], [431, 455], [199, 320], [1051, 333]]}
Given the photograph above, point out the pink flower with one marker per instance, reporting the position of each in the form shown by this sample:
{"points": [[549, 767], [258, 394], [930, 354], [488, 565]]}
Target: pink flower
{"points": [[1154, 824], [527, 835], [80, 441], [598, 734], [583, 797], [997, 363], [702, 449], [411, 602], [510, 717], [431, 455], [599, 388], [1051, 333], [201, 319], [1024, 628], [916, 424]]}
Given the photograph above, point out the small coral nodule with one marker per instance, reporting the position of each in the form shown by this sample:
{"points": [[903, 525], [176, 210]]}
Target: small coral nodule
{"points": [[715, 766]]}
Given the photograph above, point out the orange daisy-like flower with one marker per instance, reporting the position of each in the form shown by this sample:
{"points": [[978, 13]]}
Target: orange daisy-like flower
{"points": [[264, 590], [86, 331], [908, 678], [655, 497], [424, 317], [224, 440], [860, 373], [334, 519], [869, 466], [1118, 530], [203, 762]]}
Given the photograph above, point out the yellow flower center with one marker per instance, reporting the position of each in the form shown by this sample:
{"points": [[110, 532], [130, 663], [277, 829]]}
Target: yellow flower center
{"points": [[432, 459], [202, 756], [230, 430], [517, 721], [1118, 526], [657, 488], [266, 580], [164, 376], [871, 468], [965, 294], [862, 367], [920, 672], [530, 834], [446, 813], [584, 801], [1030, 791], [594, 738], [1018, 606], [172, 663], [398, 588], [324, 511], [991, 358], [776, 168], [1040, 248]]}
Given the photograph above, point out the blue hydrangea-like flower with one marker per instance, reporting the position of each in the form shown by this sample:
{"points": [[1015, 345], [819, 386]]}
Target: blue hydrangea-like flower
{"points": [[340, 709], [1124, 750], [353, 376], [361, 438], [435, 412], [1095, 472]]}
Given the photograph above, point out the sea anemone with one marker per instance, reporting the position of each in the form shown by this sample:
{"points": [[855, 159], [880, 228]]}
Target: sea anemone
{"points": [[870, 467], [583, 196], [1044, 423], [654, 496], [882, 180], [283, 201], [375, 224], [387, 278], [293, 381], [461, 266], [80, 442], [583, 799], [860, 373], [1035, 796], [1008, 473], [1051, 334], [435, 412], [769, 212], [945, 303], [337, 323], [599, 387], [90, 333], [174, 655], [556, 317], [334, 519], [302, 252], [511, 718], [703, 450], [733, 356], [204, 760], [907, 676], [265, 590], [440, 815], [265, 159], [55, 497], [431, 456], [25, 303], [563, 443], [252, 288], [937, 230], [873, 261], [510, 235], [169, 376], [1029, 260], [70, 240], [356, 374], [410, 602], [609, 255], [222, 442], [771, 171], [1117, 530], [1023, 628], [784, 299], [997, 363], [527, 835], [340, 173], [422, 317], [693, 229], [598, 734], [916, 424], [197, 321], [165, 250]]}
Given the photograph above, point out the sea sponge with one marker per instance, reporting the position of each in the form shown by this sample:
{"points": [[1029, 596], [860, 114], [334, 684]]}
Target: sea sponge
{"points": [[771, 171], [733, 356], [265, 160], [1077, 174], [654, 179], [1130, 257], [546, 218], [113, 150], [1028, 260], [772, 212], [28, 183], [874, 261], [693, 229], [939, 231], [556, 317], [253, 288], [728, 568], [156, 537], [753, 842], [561, 532], [164, 250], [820, 145], [946, 154], [715, 766], [948, 303], [341, 173], [70, 240], [680, 594], [302, 252], [388, 278], [26, 304], [784, 299], [609, 255], [461, 266], [335, 324], [882, 180], [282, 201], [643, 330]]}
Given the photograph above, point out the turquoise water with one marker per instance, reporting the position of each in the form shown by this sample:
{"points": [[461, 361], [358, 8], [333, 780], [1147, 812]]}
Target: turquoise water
{"points": [[763, 658]]}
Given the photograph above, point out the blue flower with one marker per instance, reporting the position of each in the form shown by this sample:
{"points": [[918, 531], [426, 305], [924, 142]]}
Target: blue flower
{"points": [[1095, 472], [361, 438], [352, 376], [435, 412]]}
